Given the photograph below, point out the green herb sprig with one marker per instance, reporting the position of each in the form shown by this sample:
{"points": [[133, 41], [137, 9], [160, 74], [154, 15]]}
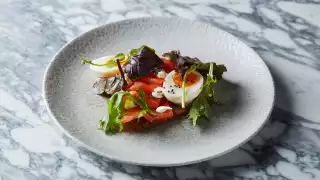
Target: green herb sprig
{"points": [[184, 90]]}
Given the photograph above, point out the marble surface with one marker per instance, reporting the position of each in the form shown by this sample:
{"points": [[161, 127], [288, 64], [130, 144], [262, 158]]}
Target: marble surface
{"points": [[285, 33]]}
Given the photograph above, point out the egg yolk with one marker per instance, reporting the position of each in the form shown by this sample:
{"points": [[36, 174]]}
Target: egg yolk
{"points": [[191, 79]]}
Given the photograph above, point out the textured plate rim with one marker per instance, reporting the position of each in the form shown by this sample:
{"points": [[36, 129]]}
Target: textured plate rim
{"points": [[128, 161]]}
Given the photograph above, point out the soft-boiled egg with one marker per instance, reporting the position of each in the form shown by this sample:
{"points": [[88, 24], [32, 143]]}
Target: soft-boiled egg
{"points": [[172, 86], [104, 71]]}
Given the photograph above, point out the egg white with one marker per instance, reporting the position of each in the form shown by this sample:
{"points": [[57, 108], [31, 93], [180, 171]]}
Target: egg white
{"points": [[104, 71], [191, 92]]}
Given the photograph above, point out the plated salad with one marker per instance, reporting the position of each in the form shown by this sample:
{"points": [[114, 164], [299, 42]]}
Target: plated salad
{"points": [[147, 90]]}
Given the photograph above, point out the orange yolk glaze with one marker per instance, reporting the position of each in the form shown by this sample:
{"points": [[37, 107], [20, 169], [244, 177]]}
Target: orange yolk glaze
{"points": [[191, 79]]}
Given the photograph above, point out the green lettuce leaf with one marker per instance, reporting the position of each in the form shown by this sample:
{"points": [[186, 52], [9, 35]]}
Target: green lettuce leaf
{"points": [[201, 106], [116, 110], [217, 70]]}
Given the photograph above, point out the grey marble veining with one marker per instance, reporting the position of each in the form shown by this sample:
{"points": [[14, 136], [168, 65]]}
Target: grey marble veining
{"points": [[285, 33]]}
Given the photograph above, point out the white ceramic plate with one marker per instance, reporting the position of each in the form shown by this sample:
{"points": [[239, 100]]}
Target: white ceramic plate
{"points": [[247, 92]]}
